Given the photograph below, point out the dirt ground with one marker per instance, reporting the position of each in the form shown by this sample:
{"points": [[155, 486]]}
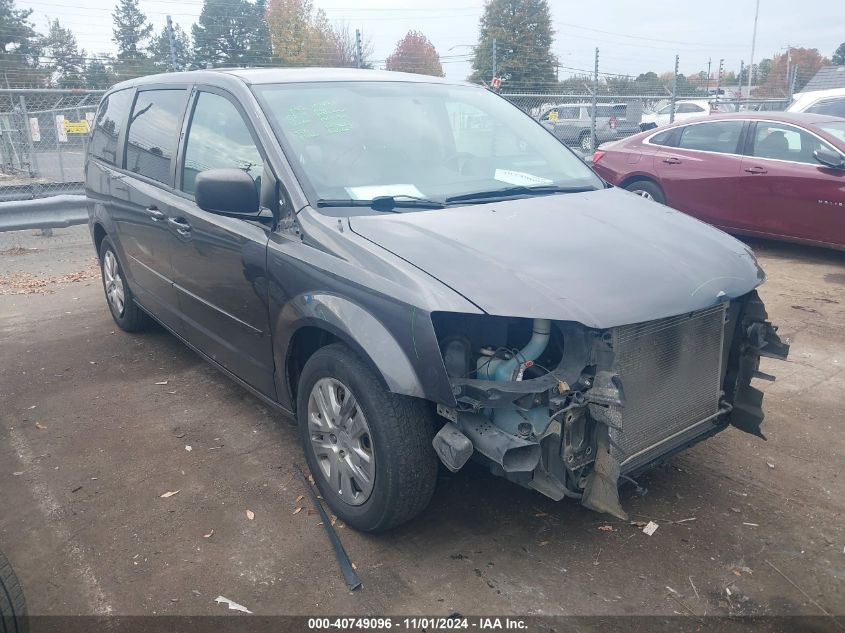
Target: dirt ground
{"points": [[96, 424]]}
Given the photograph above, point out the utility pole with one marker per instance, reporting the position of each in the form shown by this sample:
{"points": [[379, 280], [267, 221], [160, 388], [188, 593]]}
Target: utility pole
{"points": [[359, 49], [707, 86], [495, 55], [674, 90], [753, 44], [788, 67], [741, 70], [172, 40], [719, 77], [595, 103]]}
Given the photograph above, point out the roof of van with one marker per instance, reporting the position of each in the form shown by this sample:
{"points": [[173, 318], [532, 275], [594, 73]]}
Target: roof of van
{"points": [[287, 75]]}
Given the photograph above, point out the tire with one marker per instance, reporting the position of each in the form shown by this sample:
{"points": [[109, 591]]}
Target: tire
{"points": [[402, 466], [585, 142], [128, 316], [647, 189], [12, 603]]}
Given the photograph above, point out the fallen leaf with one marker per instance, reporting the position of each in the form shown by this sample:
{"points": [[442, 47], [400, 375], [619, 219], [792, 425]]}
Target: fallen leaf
{"points": [[40, 426], [209, 535], [300, 498], [543, 543], [298, 510], [18, 473], [354, 566], [311, 512], [250, 515], [169, 494], [163, 382], [606, 528], [188, 448]]}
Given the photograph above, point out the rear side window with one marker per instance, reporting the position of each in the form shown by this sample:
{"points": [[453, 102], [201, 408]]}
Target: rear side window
{"points": [[663, 138], [111, 118], [833, 107], [688, 108], [716, 136], [219, 138], [154, 132]]}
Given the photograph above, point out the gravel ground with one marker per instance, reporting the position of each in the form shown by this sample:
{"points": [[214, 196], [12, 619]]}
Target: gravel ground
{"points": [[96, 425]]}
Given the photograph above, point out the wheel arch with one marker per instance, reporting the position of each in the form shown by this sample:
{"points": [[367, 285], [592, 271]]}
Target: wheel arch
{"points": [[632, 178], [312, 321]]}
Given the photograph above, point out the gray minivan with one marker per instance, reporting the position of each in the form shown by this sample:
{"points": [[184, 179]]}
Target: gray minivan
{"points": [[418, 272]]}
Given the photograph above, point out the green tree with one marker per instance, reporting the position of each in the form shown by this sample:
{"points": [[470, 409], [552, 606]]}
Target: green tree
{"points": [[19, 47], [160, 50], [231, 33], [838, 57], [65, 59], [415, 53], [763, 70], [521, 33], [99, 72], [131, 33]]}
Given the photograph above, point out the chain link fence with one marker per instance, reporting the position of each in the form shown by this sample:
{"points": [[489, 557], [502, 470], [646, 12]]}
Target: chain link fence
{"points": [[585, 121], [43, 138]]}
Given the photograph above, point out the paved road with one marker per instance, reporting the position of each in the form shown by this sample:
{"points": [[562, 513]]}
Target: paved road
{"points": [[89, 442]]}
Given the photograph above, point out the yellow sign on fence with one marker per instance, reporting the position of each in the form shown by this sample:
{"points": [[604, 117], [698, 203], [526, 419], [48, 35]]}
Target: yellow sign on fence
{"points": [[76, 127]]}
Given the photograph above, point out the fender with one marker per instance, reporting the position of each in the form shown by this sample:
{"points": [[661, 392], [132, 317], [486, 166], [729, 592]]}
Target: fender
{"points": [[353, 325]]}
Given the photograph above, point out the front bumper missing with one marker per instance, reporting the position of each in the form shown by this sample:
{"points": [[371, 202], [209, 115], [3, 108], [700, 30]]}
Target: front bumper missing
{"points": [[575, 451]]}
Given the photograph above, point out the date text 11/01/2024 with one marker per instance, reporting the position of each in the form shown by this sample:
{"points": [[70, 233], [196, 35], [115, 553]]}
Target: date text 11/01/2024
{"points": [[418, 623]]}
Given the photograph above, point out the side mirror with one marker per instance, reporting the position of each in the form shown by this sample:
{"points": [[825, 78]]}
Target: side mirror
{"points": [[227, 192], [829, 158]]}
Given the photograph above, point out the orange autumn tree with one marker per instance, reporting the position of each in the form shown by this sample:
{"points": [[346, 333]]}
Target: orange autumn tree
{"points": [[414, 53]]}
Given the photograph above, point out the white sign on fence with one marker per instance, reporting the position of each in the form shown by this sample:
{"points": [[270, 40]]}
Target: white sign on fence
{"points": [[89, 116], [34, 130], [61, 132]]}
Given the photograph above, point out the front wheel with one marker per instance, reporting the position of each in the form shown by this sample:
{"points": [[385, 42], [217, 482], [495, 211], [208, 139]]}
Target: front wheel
{"points": [[586, 143], [648, 190], [369, 450]]}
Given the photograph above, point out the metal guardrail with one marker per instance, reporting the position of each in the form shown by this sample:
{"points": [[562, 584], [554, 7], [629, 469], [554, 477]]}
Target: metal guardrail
{"points": [[45, 213]]}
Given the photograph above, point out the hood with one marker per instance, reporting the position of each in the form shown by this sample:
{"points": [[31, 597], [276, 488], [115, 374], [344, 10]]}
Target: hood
{"points": [[602, 258]]}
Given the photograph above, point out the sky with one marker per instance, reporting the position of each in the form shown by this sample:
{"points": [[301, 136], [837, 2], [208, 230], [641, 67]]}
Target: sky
{"points": [[632, 36]]}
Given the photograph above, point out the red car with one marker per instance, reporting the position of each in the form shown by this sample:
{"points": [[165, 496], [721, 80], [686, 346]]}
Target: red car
{"points": [[767, 174]]}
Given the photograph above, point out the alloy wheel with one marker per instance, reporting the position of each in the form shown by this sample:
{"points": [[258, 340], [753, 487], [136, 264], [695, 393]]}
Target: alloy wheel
{"points": [[341, 441], [113, 283]]}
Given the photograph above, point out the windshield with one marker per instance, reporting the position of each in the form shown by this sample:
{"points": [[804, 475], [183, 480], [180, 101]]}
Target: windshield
{"points": [[834, 128], [363, 140]]}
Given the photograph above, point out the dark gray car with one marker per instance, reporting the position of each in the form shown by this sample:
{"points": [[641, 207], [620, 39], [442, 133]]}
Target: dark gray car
{"points": [[572, 123], [414, 269]]}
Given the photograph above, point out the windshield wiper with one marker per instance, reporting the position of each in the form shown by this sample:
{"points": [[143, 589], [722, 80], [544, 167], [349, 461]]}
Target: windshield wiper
{"points": [[519, 190], [384, 203]]}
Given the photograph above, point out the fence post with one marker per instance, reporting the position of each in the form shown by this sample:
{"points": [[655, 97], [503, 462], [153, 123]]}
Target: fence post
{"points": [[593, 139], [33, 160], [674, 90]]}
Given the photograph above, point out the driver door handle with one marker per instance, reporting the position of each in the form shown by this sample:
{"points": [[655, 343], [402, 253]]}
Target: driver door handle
{"points": [[672, 160], [756, 170], [181, 225], [155, 214]]}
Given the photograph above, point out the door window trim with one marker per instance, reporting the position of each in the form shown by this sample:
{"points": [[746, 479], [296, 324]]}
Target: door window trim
{"points": [[749, 143], [169, 186]]}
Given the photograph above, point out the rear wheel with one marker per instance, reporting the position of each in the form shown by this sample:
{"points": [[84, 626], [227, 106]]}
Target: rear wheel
{"points": [[369, 450], [648, 190], [12, 603], [128, 316]]}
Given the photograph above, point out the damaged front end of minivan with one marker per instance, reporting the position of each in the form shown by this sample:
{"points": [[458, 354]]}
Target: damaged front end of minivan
{"points": [[568, 410]]}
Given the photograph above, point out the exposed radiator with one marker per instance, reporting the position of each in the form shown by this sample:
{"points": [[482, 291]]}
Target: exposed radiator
{"points": [[671, 376]]}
